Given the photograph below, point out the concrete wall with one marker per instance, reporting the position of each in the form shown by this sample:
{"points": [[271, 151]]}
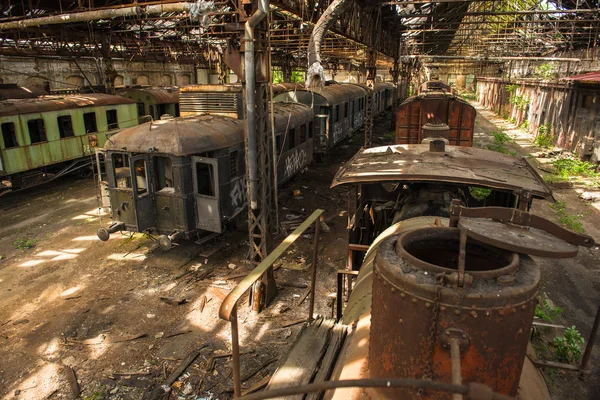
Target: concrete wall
{"points": [[63, 74]]}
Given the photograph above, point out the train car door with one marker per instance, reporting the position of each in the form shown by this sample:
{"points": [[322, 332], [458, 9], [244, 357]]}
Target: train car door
{"points": [[102, 180], [206, 191], [143, 198]]}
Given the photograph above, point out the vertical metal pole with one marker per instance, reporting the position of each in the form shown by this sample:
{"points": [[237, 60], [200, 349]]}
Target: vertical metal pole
{"points": [[340, 294], [585, 361], [313, 278], [456, 368], [462, 256], [235, 354], [370, 103]]}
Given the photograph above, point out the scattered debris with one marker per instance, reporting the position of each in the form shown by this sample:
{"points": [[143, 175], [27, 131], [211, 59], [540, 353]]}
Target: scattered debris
{"points": [[257, 386], [102, 339], [292, 323], [303, 297], [183, 366], [159, 335], [260, 368], [294, 285], [210, 363], [231, 266], [72, 379], [202, 302], [590, 196], [173, 301], [178, 333]]}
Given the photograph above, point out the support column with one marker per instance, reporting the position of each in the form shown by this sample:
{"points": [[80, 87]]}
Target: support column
{"points": [[370, 103], [110, 74], [395, 72]]}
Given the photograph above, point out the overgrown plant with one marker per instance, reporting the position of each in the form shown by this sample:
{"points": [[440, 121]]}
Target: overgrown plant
{"points": [[544, 137], [547, 311], [24, 243], [479, 193], [545, 72], [568, 346], [570, 221], [500, 140]]}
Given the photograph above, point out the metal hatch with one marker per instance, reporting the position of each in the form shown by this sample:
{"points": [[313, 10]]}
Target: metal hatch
{"points": [[206, 194]]}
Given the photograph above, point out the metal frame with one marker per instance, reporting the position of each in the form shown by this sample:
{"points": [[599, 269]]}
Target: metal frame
{"points": [[228, 309]]}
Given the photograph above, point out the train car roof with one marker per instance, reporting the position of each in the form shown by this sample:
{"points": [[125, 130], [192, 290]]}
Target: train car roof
{"points": [[327, 95], [462, 165], [161, 95], [13, 91], [436, 94], [57, 103], [199, 133], [377, 86], [237, 88]]}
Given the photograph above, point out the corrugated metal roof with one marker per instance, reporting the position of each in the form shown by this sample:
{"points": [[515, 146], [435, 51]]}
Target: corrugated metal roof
{"points": [[12, 91], [590, 77], [161, 95], [57, 103]]}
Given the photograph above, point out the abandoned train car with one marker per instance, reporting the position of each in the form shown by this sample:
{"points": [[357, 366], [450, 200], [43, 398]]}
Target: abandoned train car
{"points": [[382, 95], [153, 101], [185, 177], [435, 114], [49, 136]]}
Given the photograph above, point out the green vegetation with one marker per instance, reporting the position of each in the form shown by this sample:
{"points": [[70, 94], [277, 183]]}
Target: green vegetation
{"points": [[569, 221], [390, 136], [544, 138], [521, 102], [547, 311], [512, 88], [524, 126], [500, 140], [297, 76], [479, 193], [568, 167], [568, 346], [469, 96], [24, 244], [545, 72]]}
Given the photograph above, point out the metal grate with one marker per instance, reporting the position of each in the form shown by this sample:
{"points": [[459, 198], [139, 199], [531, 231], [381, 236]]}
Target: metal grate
{"points": [[208, 103]]}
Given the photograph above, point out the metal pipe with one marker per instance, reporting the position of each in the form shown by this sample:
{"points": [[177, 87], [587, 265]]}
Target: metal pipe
{"points": [[235, 354], [585, 361], [85, 16], [484, 59], [473, 391], [250, 77], [456, 370], [313, 278]]}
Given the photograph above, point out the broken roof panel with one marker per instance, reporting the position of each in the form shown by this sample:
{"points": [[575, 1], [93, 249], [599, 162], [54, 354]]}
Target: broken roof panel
{"points": [[590, 77]]}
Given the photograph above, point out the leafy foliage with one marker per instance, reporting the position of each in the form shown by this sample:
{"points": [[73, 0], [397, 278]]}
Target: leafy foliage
{"points": [[547, 311], [24, 244], [521, 102], [545, 72], [479, 193], [469, 96], [569, 166], [544, 137], [568, 346], [500, 139], [570, 221]]}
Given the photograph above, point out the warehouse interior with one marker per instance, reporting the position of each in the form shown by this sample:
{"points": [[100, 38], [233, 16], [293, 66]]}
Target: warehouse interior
{"points": [[180, 181]]}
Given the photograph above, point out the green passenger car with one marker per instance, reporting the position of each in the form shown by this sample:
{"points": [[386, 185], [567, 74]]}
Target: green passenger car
{"points": [[153, 101], [48, 136]]}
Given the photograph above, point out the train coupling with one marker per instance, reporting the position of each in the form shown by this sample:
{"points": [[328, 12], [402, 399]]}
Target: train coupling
{"points": [[104, 233], [165, 242]]}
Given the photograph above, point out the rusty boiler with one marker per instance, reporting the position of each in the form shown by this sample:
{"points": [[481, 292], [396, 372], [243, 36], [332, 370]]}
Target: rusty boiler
{"points": [[421, 304]]}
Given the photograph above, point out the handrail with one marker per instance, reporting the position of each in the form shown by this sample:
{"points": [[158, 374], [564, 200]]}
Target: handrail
{"points": [[231, 300], [228, 309]]}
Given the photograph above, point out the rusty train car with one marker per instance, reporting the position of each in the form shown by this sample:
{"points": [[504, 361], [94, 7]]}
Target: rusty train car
{"points": [[153, 102], [435, 113], [185, 177]]}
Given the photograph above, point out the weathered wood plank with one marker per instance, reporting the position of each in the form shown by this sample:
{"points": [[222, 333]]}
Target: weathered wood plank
{"points": [[338, 335], [304, 357]]}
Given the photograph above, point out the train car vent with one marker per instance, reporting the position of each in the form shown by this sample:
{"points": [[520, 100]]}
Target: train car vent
{"points": [[218, 103]]}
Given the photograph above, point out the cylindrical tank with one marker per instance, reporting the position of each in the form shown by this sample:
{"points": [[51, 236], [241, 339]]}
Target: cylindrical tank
{"points": [[435, 130], [491, 315]]}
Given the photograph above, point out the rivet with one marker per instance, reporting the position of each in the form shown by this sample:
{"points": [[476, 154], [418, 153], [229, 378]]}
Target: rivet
{"points": [[414, 300], [457, 312], [427, 305], [393, 289], [403, 295]]}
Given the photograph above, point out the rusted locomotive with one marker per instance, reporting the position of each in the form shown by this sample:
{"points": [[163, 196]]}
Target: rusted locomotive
{"points": [[445, 290], [435, 113], [185, 177]]}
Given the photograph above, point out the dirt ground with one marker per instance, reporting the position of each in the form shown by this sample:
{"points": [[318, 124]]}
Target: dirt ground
{"points": [[72, 304]]}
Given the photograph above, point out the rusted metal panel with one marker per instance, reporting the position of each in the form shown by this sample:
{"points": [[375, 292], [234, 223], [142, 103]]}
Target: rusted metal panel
{"points": [[152, 95], [412, 311], [471, 166], [13, 91], [590, 77], [57, 103]]}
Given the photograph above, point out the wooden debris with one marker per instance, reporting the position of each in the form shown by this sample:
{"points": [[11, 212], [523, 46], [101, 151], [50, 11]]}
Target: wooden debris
{"points": [[235, 275], [303, 297], [173, 301], [202, 302], [210, 363], [201, 275], [210, 251], [338, 334], [257, 386], [178, 333], [107, 340], [292, 323], [130, 373], [257, 370], [294, 285], [218, 292], [183, 366], [72, 379]]}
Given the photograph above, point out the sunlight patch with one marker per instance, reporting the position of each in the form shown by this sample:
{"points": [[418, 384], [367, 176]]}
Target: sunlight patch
{"points": [[32, 263], [126, 256]]}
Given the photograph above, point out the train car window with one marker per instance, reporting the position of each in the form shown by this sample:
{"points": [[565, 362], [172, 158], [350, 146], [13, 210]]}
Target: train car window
{"points": [[65, 126], [122, 171], [9, 134], [337, 113], [89, 121], [111, 119], [292, 139], [141, 109], [37, 130], [278, 144], [204, 174], [162, 109], [141, 177], [233, 164], [303, 133], [346, 110], [310, 130], [163, 173], [151, 112]]}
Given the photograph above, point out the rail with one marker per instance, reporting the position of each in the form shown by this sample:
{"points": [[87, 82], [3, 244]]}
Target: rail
{"points": [[228, 309]]}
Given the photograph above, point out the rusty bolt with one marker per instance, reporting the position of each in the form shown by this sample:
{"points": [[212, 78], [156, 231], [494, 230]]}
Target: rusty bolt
{"points": [[473, 314], [414, 300], [428, 304]]}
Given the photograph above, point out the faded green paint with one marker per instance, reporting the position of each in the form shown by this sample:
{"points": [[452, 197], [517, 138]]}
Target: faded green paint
{"points": [[55, 150]]}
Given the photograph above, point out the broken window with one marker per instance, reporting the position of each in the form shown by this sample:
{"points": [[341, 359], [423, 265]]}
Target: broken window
{"points": [[111, 119], [163, 172], [37, 130], [303, 133], [65, 126], [292, 139], [346, 110], [122, 171], [310, 130], [205, 179], [141, 177], [337, 113], [9, 134], [89, 121]]}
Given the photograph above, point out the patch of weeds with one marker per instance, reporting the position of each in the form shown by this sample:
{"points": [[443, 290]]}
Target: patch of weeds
{"points": [[544, 138], [569, 221], [469, 96], [500, 139], [568, 167], [551, 178], [547, 311], [24, 243], [524, 126], [479, 193], [390, 136], [568, 347]]}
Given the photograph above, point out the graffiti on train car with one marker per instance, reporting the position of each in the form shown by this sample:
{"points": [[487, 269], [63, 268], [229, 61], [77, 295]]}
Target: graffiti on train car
{"points": [[238, 192], [358, 120], [294, 162], [338, 132]]}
